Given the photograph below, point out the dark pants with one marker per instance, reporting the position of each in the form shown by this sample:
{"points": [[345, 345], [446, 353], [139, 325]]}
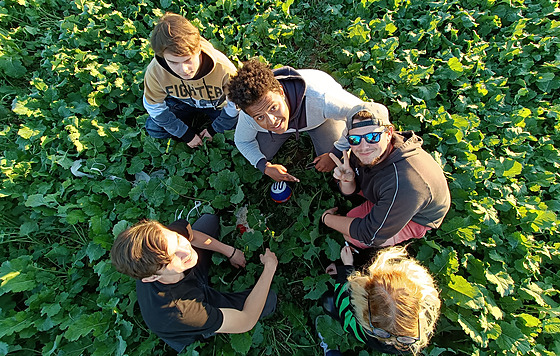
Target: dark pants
{"points": [[191, 116], [210, 225]]}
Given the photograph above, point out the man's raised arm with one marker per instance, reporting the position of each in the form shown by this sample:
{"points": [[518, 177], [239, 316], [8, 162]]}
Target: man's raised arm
{"points": [[236, 321]]}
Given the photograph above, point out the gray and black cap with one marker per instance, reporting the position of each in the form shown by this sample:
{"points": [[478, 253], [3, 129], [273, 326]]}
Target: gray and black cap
{"points": [[379, 112]]}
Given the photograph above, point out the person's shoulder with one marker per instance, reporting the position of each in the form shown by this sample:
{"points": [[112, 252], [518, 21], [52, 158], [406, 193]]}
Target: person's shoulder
{"points": [[314, 74], [245, 120], [155, 72], [319, 83], [146, 292], [220, 59], [152, 66]]}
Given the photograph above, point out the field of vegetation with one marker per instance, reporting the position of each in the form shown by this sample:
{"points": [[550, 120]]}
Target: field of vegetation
{"points": [[477, 79]]}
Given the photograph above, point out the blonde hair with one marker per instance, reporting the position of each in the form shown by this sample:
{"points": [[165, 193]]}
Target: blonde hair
{"points": [[401, 293]]}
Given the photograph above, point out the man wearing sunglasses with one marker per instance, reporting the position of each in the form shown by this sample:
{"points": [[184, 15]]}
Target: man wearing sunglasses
{"points": [[406, 190]]}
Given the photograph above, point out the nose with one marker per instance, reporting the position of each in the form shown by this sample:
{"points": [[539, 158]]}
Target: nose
{"points": [[183, 253], [271, 119], [362, 142], [186, 67]]}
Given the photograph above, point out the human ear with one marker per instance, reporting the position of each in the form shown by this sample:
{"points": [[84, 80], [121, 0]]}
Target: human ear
{"points": [[390, 132], [152, 278]]}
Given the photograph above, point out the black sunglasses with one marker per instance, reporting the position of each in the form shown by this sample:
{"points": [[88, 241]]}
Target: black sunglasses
{"points": [[384, 334], [371, 137]]}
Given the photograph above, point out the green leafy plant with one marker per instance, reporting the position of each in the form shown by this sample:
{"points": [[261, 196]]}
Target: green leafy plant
{"points": [[478, 80]]}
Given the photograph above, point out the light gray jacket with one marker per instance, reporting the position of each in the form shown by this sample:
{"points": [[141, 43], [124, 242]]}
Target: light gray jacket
{"points": [[325, 99]]}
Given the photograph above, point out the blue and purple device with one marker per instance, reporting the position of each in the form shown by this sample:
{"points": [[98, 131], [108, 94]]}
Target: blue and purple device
{"points": [[280, 192]]}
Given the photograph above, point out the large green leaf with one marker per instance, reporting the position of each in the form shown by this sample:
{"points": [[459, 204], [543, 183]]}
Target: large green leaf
{"points": [[241, 343], [512, 339], [83, 326]]}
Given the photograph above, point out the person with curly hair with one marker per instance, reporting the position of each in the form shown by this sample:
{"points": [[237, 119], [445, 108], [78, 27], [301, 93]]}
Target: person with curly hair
{"points": [[278, 103], [392, 305]]}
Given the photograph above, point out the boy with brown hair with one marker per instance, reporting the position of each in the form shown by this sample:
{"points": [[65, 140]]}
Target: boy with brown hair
{"points": [[171, 264], [186, 79]]}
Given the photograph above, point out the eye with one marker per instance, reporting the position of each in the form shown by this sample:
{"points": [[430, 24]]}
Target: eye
{"points": [[259, 118], [274, 107]]}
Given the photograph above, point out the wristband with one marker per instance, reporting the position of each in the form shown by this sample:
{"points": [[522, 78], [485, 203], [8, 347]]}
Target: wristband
{"points": [[234, 249], [323, 218]]}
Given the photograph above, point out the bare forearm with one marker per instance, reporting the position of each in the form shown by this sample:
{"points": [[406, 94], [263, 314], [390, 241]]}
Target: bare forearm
{"points": [[339, 223], [347, 188], [236, 321], [256, 300], [207, 242]]}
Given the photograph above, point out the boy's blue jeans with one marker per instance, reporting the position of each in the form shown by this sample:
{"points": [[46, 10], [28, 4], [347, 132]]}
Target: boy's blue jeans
{"points": [[184, 112]]}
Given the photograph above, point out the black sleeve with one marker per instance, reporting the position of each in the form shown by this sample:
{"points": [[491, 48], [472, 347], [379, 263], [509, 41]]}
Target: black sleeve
{"points": [[188, 136], [180, 227], [343, 272]]}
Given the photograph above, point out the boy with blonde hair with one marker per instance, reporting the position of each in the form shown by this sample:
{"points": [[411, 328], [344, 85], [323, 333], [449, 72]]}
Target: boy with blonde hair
{"points": [[185, 80]]}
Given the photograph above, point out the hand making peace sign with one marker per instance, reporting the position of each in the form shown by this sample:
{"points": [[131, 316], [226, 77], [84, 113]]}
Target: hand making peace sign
{"points": [[343, 171]]}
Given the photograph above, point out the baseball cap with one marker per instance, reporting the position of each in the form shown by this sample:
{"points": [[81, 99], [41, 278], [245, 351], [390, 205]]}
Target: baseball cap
{"points": [[379, 112]]}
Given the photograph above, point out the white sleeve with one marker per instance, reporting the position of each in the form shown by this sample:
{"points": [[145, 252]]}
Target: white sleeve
{"points": [[154, 110], [246, 139]]}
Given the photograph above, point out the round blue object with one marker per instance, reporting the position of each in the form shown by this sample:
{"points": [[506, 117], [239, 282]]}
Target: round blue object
{"points": [[280, 192]]}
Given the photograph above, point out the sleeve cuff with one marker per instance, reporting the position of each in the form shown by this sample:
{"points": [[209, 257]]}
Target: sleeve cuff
{"points": [[336, 152], [211, 130], [188, 136], [343, 272], [261, 165]]}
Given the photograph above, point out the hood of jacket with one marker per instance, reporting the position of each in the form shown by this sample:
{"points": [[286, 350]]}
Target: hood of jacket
{"points": [[294, 88]]}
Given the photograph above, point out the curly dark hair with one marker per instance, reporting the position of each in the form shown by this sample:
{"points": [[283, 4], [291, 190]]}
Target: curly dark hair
{"points": [[252, 81]]}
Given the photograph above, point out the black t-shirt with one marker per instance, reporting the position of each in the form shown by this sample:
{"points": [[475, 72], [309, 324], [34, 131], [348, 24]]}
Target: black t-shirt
{"points": [[178, 313]]}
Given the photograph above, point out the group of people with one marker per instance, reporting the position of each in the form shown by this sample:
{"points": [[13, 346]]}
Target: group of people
{"points": [[191, 92]]}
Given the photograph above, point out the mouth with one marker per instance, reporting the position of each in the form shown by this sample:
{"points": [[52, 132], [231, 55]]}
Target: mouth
{"points": [[277, 126], [366, 157], [364, 153], [187, 260]]}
